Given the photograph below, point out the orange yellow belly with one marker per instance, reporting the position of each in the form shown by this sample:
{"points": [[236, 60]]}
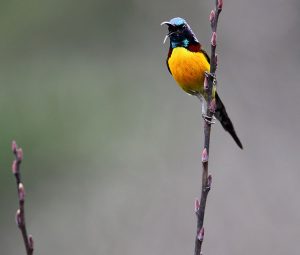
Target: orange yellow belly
{"points": [[188, 69]]}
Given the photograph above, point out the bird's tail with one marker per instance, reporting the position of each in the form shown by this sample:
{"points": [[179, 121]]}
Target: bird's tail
{"points": [[222, 116]]}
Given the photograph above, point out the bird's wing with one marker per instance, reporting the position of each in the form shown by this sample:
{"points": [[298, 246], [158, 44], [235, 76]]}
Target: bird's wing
{"points": [[206, 55]]}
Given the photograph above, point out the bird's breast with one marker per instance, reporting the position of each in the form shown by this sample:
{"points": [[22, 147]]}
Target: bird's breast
{"points": [[188, 69]]}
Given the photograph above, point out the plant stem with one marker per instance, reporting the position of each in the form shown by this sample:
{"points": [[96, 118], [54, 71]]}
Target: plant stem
{"points": [[20, 215], [206, 179]]}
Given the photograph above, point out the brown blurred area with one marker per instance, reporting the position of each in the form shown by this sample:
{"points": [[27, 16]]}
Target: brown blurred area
{"points": [[112, 147]]}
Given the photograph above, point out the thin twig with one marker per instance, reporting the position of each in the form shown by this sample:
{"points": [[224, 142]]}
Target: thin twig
{"points": [[210, 82], [20, 214]]}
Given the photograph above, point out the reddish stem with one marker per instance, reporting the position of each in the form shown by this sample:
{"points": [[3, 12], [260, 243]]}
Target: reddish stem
{"points": [[206, 179], [20, 215]]}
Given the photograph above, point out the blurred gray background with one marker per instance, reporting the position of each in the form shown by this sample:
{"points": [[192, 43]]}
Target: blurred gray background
{"points": [[112, 146]]}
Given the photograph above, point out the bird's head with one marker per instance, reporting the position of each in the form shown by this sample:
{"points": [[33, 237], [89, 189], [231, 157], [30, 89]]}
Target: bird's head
{"points": [[180, 33]]}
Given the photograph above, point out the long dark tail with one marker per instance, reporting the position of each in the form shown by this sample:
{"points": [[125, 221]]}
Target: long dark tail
{"points": [[226, 123]]}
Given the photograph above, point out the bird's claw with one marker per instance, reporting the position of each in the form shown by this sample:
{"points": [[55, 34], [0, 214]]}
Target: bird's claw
{"points": [[211, 76], [208, 119]]}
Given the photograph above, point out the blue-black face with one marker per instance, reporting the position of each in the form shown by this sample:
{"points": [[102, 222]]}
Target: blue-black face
{"points": [[180, 33]]}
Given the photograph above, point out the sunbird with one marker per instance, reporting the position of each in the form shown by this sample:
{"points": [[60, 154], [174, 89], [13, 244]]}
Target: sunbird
{"points": [[188, 63]]}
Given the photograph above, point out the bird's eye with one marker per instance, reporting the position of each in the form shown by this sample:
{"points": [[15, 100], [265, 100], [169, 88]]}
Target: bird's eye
{"points": [[182, 27]]}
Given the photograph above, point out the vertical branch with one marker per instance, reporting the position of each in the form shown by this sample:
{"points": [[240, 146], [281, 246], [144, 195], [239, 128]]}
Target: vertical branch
{"points": [[210, 82], [20, 214]]}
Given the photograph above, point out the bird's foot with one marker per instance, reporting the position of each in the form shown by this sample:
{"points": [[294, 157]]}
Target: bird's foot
{"points": [[211, 76], [208, 119]]}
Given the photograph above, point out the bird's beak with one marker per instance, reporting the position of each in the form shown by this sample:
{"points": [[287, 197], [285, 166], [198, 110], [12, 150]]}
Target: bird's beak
{"points": [[166, 37], [169, 24], [166, 23]]}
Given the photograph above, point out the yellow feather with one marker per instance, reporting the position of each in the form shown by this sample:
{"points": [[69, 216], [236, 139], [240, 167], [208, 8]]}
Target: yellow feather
{"points": [[188, 69]]}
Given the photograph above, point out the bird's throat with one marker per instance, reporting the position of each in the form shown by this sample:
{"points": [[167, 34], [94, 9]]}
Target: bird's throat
{"points": [[180, 43]]}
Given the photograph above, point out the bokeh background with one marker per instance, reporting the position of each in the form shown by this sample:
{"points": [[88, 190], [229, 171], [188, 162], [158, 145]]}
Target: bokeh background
{"points": [[112, 147]]}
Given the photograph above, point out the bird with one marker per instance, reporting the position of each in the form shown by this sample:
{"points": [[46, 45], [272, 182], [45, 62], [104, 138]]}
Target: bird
{"points": [[188, 63]]}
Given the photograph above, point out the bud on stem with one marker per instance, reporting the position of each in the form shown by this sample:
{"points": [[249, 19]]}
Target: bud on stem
{"points": [[19, 154], [212, 16], [18, 218], [220, 4], [30, 242], [214, 39], [209, 180], [14, 146], [21, 192], [197, 205], [14, 167], [204, 155], [200, 235]]}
